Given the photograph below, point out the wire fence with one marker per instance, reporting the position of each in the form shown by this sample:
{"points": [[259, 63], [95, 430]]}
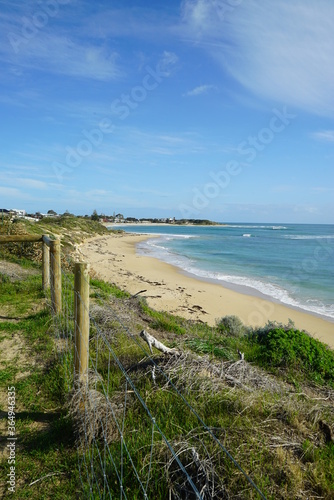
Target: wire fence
{"points": [[137, 435]]}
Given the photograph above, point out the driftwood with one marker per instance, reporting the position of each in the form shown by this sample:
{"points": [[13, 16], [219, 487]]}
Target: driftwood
{"points": [[152, 341], [138, 293]]}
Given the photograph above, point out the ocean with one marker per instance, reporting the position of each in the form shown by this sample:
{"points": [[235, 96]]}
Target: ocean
{"points": [[289, 263]]}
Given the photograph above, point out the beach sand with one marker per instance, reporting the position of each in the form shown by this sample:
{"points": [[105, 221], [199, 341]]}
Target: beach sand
{"points": [[113, 258]]}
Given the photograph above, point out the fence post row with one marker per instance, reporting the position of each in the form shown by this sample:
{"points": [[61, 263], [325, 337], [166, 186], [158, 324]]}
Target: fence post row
{"points": [[81, 320], [47, 244], [46, 265], [55, 276], [52, 278]]}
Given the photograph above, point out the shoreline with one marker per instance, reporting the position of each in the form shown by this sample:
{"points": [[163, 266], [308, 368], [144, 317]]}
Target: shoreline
{"points": [[167, 288], [253, 292]]}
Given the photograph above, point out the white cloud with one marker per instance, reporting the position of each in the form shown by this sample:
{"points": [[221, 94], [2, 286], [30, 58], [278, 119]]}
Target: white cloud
{"points": [[308, 209], [167, 62], [32, 184], [172, 139], [282, 50], [65, 56], [201, 89], [25, 45], [7, 192], [324, 135]]}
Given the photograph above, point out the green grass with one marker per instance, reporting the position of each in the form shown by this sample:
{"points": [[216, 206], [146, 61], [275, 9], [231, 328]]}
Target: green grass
{"points": [[20, 296], [210, 346], [163, 320], [101, 289], [45, 434]]}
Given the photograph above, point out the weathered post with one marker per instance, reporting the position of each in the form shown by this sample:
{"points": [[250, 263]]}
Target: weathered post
{"points": [[46, 266], [55, 276], [81, 320]]}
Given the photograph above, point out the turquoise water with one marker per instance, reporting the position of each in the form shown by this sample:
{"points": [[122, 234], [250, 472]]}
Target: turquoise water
{"points": [[289, 263]]}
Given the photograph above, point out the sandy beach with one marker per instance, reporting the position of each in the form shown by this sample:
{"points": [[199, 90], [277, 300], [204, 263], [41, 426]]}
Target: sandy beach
{"points": [[113, 258]]}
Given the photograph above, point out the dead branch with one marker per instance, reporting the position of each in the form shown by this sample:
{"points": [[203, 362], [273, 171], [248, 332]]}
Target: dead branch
{"points": [[138, 293], [152, 341], [47, 475]]}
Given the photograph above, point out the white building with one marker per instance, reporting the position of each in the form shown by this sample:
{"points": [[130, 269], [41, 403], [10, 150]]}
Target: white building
{"points": [[19, 213]]}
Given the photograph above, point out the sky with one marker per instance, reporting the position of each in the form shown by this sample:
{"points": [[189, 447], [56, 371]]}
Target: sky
{"points": [[209, 109]]}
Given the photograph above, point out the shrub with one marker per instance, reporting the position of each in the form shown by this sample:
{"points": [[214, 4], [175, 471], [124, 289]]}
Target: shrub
{"points": [[296, 350], [232, 325]]}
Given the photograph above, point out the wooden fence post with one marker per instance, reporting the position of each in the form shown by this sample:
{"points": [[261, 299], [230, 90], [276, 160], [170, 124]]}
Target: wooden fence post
{"points": [[55, 276], [81, 320], [46, 266]]}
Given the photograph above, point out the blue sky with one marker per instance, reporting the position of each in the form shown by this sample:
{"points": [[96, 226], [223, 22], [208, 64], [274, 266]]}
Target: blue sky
{"points": [[195, 108]]}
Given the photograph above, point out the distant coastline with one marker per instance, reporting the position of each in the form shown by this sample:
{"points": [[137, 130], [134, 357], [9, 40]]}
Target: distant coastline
{"points": [[119, 225], [159, 222]]}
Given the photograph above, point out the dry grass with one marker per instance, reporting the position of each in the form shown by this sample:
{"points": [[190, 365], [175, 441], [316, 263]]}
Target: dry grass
{"points": [[273, 429], [209, 376], [200, 468], [95, 416]]}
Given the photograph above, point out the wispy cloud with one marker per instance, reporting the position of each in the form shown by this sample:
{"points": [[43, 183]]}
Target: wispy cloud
{"points": [[66, 56], [201, 89], [167, 62], [110, 200], [32, 184], [47, 47], [279, 50], [160, 143], [7, 192], [324, 135]]}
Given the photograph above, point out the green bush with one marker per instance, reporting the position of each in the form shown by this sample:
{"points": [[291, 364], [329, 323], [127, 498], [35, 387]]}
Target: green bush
{"points": [[231, 325], [296, 350]]}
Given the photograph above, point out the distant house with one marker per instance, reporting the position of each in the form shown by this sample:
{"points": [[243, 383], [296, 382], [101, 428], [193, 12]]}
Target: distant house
{"points": [[119, 218], [52, 213], [4, 211], [19, 213]]}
